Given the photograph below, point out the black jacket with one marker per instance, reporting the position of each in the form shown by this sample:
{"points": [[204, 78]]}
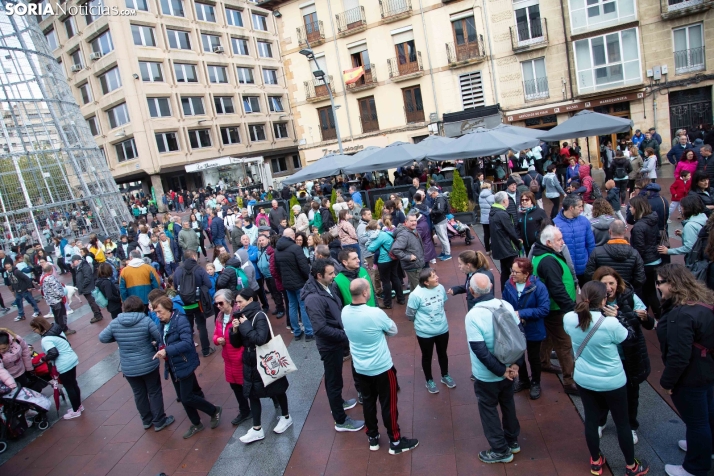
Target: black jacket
{"points": [[644, 237], [636, 360], [228, 278], [327, 219], [659, 205], [707, 164], [111, 292], [439, 210], [707, 198], [620, 163], [292, 263], [530, 223], [85, 277], [19, 281], [132, 245], [551, 273], [677, 330], [504, 239], [622, 258], [325, 311]]}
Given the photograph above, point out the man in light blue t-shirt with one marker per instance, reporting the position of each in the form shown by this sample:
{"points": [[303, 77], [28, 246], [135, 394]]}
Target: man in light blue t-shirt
{"points": [[367, 329]]}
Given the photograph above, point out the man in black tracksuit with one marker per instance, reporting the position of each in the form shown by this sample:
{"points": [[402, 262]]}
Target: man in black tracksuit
{"points": [[324, 306], [85, 285]]}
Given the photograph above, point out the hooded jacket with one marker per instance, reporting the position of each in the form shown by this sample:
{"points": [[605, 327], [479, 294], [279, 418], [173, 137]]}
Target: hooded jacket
{"points": [[485, 201], [181, 355], [622, 163], [620, 256], [586, 181], [325, 311], [293, 265], [407, 243], [659, 205], [110, 290], [137, 279], [578, 234], [679, 188], [601, 228], [504, 239], [645, 238], [134, 332], [552, 185], [228, 278], [533, 305], [232, 355], [550, 272], [690, 233], [248, 267], [16, 360], [440, 209]]}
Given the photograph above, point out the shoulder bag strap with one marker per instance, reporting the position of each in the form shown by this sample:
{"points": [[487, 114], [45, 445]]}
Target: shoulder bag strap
{"points": [[272, 336], [589, 336]]}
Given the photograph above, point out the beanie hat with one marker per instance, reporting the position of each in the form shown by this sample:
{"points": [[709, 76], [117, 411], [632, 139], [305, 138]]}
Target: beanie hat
{"points": [[510, 181]]}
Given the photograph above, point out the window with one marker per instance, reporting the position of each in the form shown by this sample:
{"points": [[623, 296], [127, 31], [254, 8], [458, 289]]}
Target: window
{"points": [[51, 38], [278, 165], [118, 115], [137, 5], [260, 22], [230, 135], [126, 150], [103, 43], [224, 105], [205, 12], [94, 11], [167, 142], [535, 80], [70, 27], [600, 13], [185, 73], [296, 162], [240, 46], [76, 56], [179, 39], [608, 61], [110, 80], [245, 75], [688, 49], [234, 17], [327, 123], [93, 124], [251, 104], [192, 106], [86, 92], [368, 114], [143, 35], [151, 72], [159, 107], [264, 49], [172, 7], [528, 22], [199, 138], [413, 104], [280, 130], [471, 90], [257, 132], [210, 42], [275, 103], [270, 76], [217, 74]]}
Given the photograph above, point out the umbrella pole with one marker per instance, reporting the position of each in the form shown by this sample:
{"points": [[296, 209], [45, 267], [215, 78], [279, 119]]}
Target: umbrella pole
{"points": [[587, 144]]}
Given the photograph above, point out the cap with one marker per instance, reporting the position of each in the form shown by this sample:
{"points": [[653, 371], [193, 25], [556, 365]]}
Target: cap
{"points": [[510, 181], [76, 258], [449, 216]]}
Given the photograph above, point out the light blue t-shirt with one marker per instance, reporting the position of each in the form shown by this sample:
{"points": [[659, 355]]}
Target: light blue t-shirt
{"points": [[479, 328], [367, 329], [67, 359], [427, 307], [599, 367]]}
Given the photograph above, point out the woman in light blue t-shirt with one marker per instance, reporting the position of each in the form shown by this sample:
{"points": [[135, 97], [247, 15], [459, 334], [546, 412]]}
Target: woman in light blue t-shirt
{"points": [[599, 374]]}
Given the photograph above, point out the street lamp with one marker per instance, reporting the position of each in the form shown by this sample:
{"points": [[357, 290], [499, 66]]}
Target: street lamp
{"points": [[319, 74]]}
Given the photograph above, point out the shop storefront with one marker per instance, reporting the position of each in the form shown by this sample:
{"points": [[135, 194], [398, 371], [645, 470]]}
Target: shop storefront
{"points": [[231, 170]]}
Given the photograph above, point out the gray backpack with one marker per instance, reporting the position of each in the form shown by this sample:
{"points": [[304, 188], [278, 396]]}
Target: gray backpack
{"points": [[509, 343]]}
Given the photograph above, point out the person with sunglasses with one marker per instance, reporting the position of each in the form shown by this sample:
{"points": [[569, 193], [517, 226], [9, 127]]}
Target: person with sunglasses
{"points": [[531, 220]]}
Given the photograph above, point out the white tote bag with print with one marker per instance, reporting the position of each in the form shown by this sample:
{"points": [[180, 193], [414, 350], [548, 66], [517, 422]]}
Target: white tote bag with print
{"points": [[274, 362]]}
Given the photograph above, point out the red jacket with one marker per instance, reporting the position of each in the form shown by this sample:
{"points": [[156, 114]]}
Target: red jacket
{"points": [[232, 357], [586, 181], [679, 189], [274, 271]]}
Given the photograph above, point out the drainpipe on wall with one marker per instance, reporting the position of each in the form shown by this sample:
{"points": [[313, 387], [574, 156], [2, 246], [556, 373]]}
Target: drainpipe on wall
{"points": [[567, 50], [428, 58], [490, 49], [339, 65]]}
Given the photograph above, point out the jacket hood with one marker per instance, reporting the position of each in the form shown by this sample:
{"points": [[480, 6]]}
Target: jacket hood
{"points": [[652, 219], [495, 208], [652, 190], [129, 319], [55, 330], [189, 265], [602, 222], [284, 243], [701, 219], [540, 249], [135, 262], [584, 171], [698, 142], [617, 251], [486, 192], [243, 255], [622, 161], [234, 263]]}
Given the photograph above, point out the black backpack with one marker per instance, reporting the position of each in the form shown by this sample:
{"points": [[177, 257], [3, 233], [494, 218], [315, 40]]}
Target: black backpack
{"points": [[187, 287], [620, 172], [596, 192]]}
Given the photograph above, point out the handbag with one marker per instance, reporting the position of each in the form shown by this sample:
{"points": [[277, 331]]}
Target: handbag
{"points": [[585, 341], [274, 362], [335, 231]]}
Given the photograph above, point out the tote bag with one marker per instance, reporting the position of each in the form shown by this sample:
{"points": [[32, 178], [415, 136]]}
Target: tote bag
{"points": [[274, 362]]}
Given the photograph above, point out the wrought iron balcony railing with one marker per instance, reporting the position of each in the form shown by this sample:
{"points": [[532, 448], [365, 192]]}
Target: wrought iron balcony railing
{"points": [[688, 60], [404, 66], [392, 10], [313, 32], [367, 81], [351, 21], [316, 89], [531, 35], [536, 89], [468, 52]]}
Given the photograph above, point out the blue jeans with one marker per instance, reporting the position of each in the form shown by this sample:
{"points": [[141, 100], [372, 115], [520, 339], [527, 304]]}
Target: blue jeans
{"points": [[27, 296], [294, 299], [696, 406]]}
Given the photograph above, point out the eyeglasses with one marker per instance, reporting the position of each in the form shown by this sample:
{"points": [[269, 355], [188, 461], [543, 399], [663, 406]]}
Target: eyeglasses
{"points": [[220, 303], [660, 282]]}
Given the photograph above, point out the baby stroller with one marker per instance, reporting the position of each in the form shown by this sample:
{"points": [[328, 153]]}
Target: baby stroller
{"points": [[13, 407], [464, 231]]}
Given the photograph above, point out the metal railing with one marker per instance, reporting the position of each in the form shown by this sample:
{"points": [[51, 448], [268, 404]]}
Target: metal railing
{"points": [[393, 8], [329, 133], [351, 19], [317, 89], [414, 114], [468, 51], [405, 65], [368, 79], [313, 32], [536, 89], [689, 60], [369, 122], [525, 35]]}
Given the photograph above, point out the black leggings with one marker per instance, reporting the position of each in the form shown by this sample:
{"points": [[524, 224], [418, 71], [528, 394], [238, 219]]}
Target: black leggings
{"points": [[390, 281], [649, 291], [426, 344], [533, 349], [556, 207], [487, 236], [69, 382], [243, 406], [594, 403], [256, 409]]}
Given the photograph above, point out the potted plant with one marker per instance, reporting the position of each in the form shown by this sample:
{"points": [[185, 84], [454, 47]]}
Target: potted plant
{"points": [[333, 200], [378, 207], [460, 201]]}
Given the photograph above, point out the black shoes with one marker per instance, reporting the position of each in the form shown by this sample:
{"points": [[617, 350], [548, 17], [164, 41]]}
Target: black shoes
{"points": [[296, 338], [535, 391], [571, 389], [309, 338], [492, 457], [519, 385], [402, 446], [211, 350], [240, 418], [374, 443]]}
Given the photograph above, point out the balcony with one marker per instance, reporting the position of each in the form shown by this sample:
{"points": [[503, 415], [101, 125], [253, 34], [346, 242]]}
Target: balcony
{"points": [[351, 21], [393, 10], [329, 133], [313, 32], [405, 67], [316, 90], [535, 89], [526, 37], [414, 114], [678, 8], [686, 61], [466, 54], [369, 123], [368, 81]]}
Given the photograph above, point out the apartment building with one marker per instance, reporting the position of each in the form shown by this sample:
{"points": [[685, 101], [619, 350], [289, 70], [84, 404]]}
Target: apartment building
{"points": [[178, 86]]}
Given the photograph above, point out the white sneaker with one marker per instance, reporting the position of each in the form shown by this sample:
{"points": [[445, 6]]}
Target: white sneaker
{"points": [[599, 430], [283, 424], [683, 446], [676, 470], [70, 311], [635, 440], [72, 414], [35, 314], [252, 435], [48, 315], [669, 221]]}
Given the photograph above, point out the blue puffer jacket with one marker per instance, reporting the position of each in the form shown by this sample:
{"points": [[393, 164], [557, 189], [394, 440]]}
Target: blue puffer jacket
{"points": [[134, 332], [578, 235], [532, 306], [181, 354]]}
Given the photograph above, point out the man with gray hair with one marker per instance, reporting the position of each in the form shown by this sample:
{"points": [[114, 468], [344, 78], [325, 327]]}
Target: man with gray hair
{"points": [[494, 379], [438, 219], [409, 249], [187, 238], [618, 255], [505, 242]]}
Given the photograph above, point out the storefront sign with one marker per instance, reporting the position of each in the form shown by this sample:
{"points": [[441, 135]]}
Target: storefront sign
{"points": [[212, 164], [576, 106], [459, 128], [345, 150]]}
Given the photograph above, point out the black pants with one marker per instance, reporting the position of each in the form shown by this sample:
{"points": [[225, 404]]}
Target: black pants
{"points": [[696, 406], [243, 405], [621, 184], [649, 291], [275, 294], [93, 306], [192, 398], [332, 361], [630, 186], [148, 397], [261, 294], [633, 403], [74, 276], [390, 281], [426, 344], [196, 316], [533, 350], [506, 264], [556, 207], [60, 315], [490, 396], [383, 387], [487, 236], [69, 382], [596, 402], [256, 409]]}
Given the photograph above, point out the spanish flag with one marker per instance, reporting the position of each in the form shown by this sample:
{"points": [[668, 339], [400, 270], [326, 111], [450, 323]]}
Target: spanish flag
{"points": [[352, 75]]}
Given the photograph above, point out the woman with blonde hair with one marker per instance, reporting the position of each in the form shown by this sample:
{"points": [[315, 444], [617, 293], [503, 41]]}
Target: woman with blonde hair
{"points": [[347, 233]]}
